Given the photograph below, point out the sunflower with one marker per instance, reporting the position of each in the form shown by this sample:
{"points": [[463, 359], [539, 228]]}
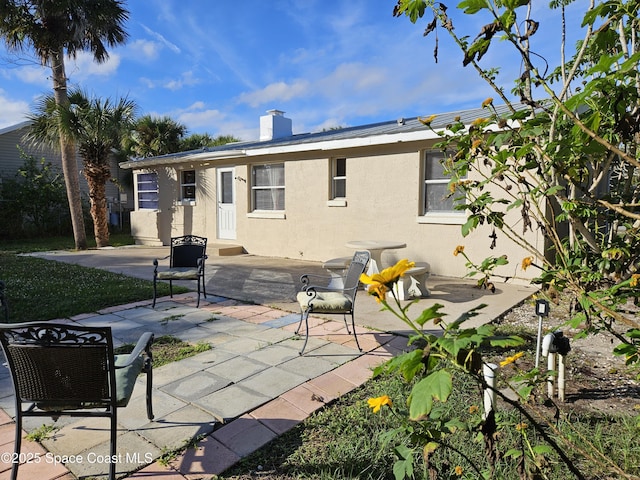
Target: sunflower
{"points": [[427, 121], [377, 403], [527, 262], [380, 283]]}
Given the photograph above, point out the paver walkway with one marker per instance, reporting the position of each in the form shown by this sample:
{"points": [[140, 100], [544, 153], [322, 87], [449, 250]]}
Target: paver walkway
{"points": [[249, 388], [256, 387]]}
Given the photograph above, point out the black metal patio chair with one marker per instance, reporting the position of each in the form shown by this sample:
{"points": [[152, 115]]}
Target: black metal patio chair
{"points": [[64, 370], [327, 300], [187, 257]]}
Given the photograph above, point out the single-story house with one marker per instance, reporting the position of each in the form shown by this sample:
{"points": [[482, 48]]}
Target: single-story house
{"points": [[305, 196], [12, 140]]}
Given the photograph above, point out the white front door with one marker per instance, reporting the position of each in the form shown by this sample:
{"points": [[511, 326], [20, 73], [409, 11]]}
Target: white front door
{"points": [[226, 203]]}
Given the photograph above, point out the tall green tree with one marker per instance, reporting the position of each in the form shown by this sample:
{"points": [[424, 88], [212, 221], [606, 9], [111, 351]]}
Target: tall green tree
{"points": [[565, 157], [153, 136], [34, 202], [98, 127], [200, 140], [54, 29]]}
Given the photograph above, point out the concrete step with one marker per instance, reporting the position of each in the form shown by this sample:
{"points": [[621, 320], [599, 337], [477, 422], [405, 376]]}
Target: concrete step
{"points": [[224, 249]]}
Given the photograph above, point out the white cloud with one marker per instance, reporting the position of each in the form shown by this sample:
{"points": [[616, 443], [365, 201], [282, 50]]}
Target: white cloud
{"points": [[187, 79], [352, 78], [84, 66], [145, 49], [34, 75], [147, 82], [171, 46], [198, 116], [276, 92], [12, 111]]}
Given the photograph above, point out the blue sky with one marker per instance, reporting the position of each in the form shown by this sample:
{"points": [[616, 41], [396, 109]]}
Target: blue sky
{"points": [[218, 66]]}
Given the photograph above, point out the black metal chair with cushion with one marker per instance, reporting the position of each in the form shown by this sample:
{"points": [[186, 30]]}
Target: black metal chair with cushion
{"points": [[60, 369], [327, 300], [187, 257]]}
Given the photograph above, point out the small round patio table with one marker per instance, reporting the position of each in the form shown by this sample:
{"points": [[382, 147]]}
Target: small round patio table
{"points": [[375, 248]]}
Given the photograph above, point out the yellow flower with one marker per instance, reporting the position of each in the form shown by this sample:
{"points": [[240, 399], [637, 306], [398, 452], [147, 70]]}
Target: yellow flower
{"points": [[427, 121], [487, 102], [634, 280], [377, 403], [381, 283], [458, 470], [521, 426], [473, 409], [527, 262], [479, 121], [510, 360], [459, 249], [476, 143]]}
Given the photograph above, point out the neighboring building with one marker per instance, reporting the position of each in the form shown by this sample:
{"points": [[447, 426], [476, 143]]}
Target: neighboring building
{"points": [[304, 196], [12, 140]]}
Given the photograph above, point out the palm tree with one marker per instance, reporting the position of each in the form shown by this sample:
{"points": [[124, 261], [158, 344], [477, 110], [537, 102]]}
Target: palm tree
{"points": [[153, 136], [53, 29], [98, 128], [200, 140]]}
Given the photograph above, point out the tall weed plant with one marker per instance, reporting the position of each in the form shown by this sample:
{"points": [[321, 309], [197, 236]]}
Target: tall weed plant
{"points": [[449, 426]]}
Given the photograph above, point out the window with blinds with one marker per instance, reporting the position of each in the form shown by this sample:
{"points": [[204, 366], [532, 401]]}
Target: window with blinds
{"points": [[267, 187], [147, 187]]}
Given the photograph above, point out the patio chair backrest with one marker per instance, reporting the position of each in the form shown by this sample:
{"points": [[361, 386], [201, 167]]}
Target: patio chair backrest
{"points": [[356, 268], [187, 250], [60, 364]]}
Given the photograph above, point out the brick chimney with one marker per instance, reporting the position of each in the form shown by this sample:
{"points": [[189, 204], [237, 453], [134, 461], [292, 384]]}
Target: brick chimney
{"points": [[275, 125]]}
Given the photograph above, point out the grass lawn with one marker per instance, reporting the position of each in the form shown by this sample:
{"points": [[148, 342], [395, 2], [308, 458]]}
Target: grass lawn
{"points": [[39, 289], [59, 243]]}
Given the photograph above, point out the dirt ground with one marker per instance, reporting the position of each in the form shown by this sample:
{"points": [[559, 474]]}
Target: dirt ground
{"points": [[596, 379]]}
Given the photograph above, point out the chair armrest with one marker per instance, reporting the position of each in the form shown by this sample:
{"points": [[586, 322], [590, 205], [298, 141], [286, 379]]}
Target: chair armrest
{"points": [[312, 289], [143, 344], [155, 261], [201, 262], [307, 277]]}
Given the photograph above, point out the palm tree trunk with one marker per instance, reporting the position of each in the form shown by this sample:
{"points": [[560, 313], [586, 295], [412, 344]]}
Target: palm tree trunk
{"points": [[68, 153], [97, 177]]}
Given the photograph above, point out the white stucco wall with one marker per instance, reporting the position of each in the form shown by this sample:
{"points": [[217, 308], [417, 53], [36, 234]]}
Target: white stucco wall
{"points": [[383, 202]]}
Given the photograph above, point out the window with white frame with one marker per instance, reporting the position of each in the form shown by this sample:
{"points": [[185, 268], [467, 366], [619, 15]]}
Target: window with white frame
{"points": [[267, 187], [437, 197], [188, 185], [147, 187], [338, 178]]}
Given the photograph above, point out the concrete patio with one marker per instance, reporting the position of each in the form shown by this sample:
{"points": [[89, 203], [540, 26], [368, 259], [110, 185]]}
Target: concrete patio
{"points": [[250, 387]]}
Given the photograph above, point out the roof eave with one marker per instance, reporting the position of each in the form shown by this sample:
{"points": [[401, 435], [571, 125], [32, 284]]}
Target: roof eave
{"points": [[357, 142], [327, 145], [202, 157]]}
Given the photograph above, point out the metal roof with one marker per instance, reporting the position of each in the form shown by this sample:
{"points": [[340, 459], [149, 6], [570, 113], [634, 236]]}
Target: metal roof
{"points": [[13, 128], [378, 133]]}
